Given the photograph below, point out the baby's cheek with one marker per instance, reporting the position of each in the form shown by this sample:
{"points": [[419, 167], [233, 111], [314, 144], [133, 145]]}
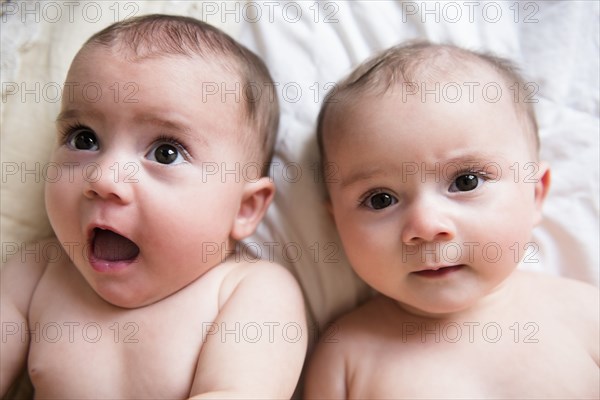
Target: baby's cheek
{"points": [[56, 213], [61, 185], [50, 197], [509, 243]]}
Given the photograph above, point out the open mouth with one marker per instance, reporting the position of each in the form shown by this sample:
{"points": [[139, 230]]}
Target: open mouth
{"points": [[439, 272], [111, 247]]}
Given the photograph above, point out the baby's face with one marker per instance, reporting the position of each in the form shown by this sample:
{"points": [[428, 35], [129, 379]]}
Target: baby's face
{"points": [[143, 206], [434, 201]]}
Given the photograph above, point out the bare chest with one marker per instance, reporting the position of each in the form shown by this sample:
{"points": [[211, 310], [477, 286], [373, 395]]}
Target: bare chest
{"points": [[476, 361], [82, 347]]}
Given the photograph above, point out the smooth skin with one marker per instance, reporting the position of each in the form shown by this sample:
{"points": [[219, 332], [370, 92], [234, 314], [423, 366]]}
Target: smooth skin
{"points": [[431, 216], [187, 318]]}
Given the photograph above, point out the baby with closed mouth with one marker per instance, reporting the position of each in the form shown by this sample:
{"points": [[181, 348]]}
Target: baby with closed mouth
{"points": [[431, 217]]}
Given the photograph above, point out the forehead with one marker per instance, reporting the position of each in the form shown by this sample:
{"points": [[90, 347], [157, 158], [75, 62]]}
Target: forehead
{"points": [[402, 119], [477, 92], [190, 90], [98, 63]]}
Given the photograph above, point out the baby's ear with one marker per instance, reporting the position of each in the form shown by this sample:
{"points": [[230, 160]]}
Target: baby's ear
{"points": [[542, 185], [255, 200]]}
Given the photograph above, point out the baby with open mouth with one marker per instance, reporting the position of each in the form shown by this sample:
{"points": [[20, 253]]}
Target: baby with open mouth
{"points": [[138, 290], [110, 246]]}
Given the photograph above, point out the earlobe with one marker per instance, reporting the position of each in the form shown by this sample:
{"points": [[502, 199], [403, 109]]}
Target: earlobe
{"points": [[542, 186], [256, 199]]}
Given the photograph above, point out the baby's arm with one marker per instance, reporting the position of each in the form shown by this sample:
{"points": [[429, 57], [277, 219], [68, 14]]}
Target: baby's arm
{"points": [[256, 346], [583, 306], [326, 378], [18, 280]]}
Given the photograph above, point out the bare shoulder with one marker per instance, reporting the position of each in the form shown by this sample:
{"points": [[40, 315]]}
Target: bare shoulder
{"points": [[263, 334], [347, 342], [560, 291], [569, 300], [262, 278], [261, 293], [23, 271], [19, 278], [571, 303], [357, 329]]}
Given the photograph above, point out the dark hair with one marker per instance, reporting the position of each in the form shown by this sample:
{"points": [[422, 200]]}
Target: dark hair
{"points": [[157, 35]]}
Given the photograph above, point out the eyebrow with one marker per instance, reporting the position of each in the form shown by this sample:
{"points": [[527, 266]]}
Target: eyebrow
{"points": [[74, 113], [474, 159], [165, 123], [463, 161], [361, 175], [172, 126]]}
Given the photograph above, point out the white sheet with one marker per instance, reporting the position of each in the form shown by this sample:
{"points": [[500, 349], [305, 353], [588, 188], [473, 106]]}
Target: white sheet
{"points": [[308, 45]]}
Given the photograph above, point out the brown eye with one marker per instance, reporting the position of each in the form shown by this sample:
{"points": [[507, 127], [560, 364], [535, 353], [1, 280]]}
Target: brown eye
{"points": [[465, 183], [83, 140], [379, 201], [166, 153]]}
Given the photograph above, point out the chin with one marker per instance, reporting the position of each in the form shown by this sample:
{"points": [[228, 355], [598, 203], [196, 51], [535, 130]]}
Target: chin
{"points": [[130, 298], [440, 309], [125, 302]]}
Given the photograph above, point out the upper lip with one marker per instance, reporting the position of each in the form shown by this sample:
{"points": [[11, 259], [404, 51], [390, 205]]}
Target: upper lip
{"points": [[92, 227], [435, 267]]}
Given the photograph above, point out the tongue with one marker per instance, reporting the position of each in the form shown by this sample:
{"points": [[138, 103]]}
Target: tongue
{"points": [[111, 246]]}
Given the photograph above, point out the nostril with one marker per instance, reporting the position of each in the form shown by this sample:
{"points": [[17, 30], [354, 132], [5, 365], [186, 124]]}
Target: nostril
{"points": [[105, 192], [442, 235], [426, 230], [90, 193], [105, 186]]}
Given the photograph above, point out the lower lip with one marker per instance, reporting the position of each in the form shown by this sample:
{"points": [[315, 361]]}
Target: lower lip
{"points": [[109, 266], [438, 273]]}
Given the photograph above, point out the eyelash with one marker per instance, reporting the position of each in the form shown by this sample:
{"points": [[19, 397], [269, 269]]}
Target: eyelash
{"points": [[173, 142], [362, 200], [67, 131], [480, 173]]}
